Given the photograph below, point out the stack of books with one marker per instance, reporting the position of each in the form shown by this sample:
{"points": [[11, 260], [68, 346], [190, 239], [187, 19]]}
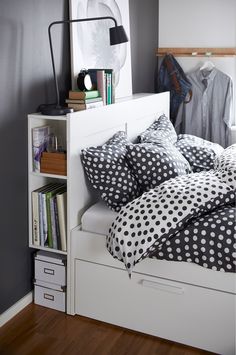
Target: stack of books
{"points": [[49, 213], [102, 93], [83, 100], [103, 80]]}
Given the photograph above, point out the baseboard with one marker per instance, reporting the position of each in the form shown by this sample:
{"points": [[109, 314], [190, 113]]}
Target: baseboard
{"points": [[16, 308]]}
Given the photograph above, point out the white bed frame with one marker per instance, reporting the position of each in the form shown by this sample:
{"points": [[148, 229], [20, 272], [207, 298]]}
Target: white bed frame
{"points": [[178, 301]]}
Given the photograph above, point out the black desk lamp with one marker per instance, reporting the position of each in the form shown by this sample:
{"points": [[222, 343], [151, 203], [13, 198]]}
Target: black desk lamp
{"points": [[117, 36]]}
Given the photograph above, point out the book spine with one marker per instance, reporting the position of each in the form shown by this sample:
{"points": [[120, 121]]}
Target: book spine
{"points": [[57, 224], [80, 107], [101, 84], [49, 223], [61, 206], [113, 94], [108, 88], [94, 105], [41, 219], [53, 223], [81, 95], [35, 218], [45, 223]]}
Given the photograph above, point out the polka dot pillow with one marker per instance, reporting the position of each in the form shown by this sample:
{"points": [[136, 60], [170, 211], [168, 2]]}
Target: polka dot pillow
{"points": [[225, 166], [161, 130], [107, 170], [199, 152], [153, 164]]}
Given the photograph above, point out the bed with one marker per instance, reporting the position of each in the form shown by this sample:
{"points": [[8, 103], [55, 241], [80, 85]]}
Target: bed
{"points": [[178, 301]]}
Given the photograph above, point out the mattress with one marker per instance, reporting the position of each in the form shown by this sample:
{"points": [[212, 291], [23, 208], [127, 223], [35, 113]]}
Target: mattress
{"points": [[98, 218]]}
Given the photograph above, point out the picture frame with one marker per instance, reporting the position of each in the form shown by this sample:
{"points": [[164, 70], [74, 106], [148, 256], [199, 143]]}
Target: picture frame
{"points": [[90, 44]]}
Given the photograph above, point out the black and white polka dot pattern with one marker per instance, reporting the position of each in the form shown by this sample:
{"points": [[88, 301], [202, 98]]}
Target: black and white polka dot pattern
{"points": [[225, 166], [209, 241], [149, 221], [161, 130], [199, 152], [107, 170], [151, 164]]}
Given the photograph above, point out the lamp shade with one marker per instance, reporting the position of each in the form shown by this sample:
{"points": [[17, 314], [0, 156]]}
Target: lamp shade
{"points": [[117, 35]]}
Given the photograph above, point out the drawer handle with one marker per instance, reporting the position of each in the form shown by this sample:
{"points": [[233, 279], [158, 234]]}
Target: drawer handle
{"points": [[163, 287], [48, 297], [48, 271]]}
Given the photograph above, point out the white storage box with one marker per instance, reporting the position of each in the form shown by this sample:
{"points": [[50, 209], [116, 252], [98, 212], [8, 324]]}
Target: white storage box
{"points": [[45, 296], [50, 268]]}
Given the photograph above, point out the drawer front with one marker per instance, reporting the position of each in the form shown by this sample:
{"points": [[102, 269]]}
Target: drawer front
{"points": [[50, 272], [180, 312], [49, 298]]}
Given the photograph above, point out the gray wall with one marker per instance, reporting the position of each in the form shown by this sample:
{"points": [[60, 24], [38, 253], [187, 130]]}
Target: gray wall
{"points": [[144, 41], [25, 83]]}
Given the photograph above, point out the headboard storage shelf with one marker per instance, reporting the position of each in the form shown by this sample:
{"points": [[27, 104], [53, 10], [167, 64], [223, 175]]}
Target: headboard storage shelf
{"points": [[80, 130], [196, 52]]}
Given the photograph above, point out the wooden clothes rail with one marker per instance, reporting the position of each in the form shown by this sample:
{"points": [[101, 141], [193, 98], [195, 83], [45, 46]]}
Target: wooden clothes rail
{"points": [[196, 52]]}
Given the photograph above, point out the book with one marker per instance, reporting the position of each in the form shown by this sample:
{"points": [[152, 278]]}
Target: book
{"points": [[39, 143], [101, 84], [37, 229], [57, 223], [49, 195], [109, 88], [83, 101], [62, 216], [53, 223], [80, 107], [78, 95], [35, 217], [103, 81], [44, 211]]}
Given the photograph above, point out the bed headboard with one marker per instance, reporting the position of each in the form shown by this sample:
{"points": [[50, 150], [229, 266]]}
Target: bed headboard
{"points": [[94, 127]]}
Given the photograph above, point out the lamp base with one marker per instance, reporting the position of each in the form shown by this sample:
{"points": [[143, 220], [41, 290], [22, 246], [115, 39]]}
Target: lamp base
{"points": [[54, 110]]}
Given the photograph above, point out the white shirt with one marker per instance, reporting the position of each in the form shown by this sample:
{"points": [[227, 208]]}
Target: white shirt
{"points": [[209, 113]]}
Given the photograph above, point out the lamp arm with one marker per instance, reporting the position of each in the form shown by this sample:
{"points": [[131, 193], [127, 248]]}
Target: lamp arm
{"points": [[51, 47]]}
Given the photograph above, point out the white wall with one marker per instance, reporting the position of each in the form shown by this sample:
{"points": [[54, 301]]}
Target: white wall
{"points": [[199, 23]]}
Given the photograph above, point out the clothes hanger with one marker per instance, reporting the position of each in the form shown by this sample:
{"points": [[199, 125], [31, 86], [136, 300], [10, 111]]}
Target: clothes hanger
{"points": [[208, 66]]}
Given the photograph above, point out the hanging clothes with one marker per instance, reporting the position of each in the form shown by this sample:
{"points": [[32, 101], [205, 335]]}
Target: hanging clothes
{"points": [[171, 77], [209, 113]]}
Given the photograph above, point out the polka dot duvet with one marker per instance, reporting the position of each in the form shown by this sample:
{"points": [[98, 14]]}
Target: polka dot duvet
{"points": [[187, 218]]}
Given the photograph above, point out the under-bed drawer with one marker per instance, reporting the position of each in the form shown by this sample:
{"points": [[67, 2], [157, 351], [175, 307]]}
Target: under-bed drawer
{"points": [[188, 314]]}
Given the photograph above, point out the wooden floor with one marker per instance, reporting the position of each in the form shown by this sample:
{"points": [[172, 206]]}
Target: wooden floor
{"points": [[41, 331]]}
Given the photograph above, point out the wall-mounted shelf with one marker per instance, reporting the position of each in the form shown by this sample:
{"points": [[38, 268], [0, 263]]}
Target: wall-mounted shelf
{"points": [[197, 52]]}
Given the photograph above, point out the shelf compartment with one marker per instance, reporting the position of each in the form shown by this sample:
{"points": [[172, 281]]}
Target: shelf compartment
{"points": [[53, 176], [57, 251]]}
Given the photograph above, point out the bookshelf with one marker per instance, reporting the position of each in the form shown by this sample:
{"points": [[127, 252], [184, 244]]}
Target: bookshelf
{"points": [[63, 127], [73, 130], [36, 179]]}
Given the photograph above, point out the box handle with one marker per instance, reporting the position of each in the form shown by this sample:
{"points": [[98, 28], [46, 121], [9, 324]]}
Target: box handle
{"points": [[163, 287], [49, 271], [48, 297]]}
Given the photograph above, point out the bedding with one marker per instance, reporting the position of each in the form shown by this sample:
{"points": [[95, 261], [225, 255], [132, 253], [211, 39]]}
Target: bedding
{"points": [[208, 241], [200, 153], [159, 131], [146, 224], [109, 173], [151, 164], [225, 166]]}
